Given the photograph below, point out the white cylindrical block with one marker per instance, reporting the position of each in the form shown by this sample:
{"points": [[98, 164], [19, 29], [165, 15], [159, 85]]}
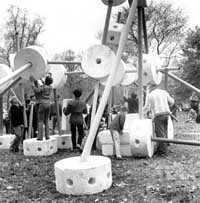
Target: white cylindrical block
{"points": [[151, 73], [37, 57], [97, 61], [114, 2], [6, 141], [81, 178], [63, 141], [170, 130], [34, 147], [140, 139], [65, 119], [129, 78], [59, 76], [118, 75]]}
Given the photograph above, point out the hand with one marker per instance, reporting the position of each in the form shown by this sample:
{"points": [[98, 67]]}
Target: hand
{"points": [[31, 78]]}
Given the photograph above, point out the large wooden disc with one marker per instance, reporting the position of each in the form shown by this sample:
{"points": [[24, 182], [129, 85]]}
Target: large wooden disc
{"points": [[4, 71], [59, 75], [151, 65], [38, 58], [115, 2], [129, 78], [118, 75], [97, 61]]}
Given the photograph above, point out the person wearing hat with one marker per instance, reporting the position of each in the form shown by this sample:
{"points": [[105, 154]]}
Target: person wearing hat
{"points": [[158, 102], [76, 108], [116, 128]]}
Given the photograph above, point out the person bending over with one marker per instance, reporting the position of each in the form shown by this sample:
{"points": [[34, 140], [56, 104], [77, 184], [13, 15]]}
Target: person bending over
{"points": [[158, 102]]}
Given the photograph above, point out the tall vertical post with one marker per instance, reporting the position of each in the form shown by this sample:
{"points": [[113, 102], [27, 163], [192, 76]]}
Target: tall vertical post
{"points": [[105, 31], [166, 79], [57, 110], [1, 115], [24, 110], [140, 63]]}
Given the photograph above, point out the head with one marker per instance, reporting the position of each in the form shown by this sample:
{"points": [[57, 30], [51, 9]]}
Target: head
{"points": [[152, 86], [133, 95], [77, 93], [48, 80], [124, 109], [14, 101]]}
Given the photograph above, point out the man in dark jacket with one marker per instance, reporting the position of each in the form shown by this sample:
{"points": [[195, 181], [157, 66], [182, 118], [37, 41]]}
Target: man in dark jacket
{"points": [[76, 109]]}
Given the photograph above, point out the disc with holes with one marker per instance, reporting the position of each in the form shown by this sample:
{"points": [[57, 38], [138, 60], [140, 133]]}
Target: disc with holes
{"points": [[114, 2], [170, 129], [140, 139], [97, 61], [118, 75], [59, 75], [129, 77], [37, 57], [151, 66], [4, 71]]}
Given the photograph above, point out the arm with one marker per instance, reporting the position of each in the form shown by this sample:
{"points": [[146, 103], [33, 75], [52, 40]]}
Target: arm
{"points": [[147, 106], [170, 99], [67, 110], [121, 122]]}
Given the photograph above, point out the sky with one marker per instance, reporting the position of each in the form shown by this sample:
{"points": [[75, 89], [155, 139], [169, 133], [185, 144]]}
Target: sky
{"points": [[74, 24]]}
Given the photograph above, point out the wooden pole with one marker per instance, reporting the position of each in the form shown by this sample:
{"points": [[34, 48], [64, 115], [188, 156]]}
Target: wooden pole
{"points": [[94, 104], [1, 115], [57, 110], [140, 63], [94, 127], [30, 129], [24, 109]]}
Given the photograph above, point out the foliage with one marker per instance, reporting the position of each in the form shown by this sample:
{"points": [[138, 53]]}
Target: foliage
{"points": [[190, 62], [165, 27], [75, 80], [20, 30]]}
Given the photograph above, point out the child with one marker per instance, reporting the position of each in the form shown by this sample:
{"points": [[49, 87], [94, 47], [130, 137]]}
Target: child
{"points": [[192, 116], [76, 109], [16, 115], [116, 127]]}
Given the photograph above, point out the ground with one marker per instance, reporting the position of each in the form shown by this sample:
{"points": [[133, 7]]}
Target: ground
{"points": [[169, 179]]}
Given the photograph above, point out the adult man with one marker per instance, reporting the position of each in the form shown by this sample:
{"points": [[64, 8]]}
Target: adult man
{"points": [[132, 103], [158, 102]]}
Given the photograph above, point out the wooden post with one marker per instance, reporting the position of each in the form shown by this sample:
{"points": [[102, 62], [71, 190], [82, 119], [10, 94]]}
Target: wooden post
{"points": [[94, 127], [1, 115], [94, 103], [166, 79], [57, 111], [30, 129], [24, 110], [140, 63]]}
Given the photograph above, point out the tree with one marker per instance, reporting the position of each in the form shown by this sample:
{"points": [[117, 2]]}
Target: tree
{"points": [[165, 29], [76, 80], [190, 63], [19, 31]]}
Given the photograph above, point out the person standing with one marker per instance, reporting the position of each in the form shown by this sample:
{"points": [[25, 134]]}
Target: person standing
{"points": [[158, 102], [116, 127], [132, 103], [17, 120], [43, 93], [76, 109]]}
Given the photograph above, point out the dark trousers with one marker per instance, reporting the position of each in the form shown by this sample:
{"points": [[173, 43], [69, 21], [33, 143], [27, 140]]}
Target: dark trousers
{"points": [[16, 142], [161, 124], [80, 134], [43, 118]]}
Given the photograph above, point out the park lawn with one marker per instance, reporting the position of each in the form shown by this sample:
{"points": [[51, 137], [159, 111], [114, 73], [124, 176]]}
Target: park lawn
{"points": [[174, 178]]}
